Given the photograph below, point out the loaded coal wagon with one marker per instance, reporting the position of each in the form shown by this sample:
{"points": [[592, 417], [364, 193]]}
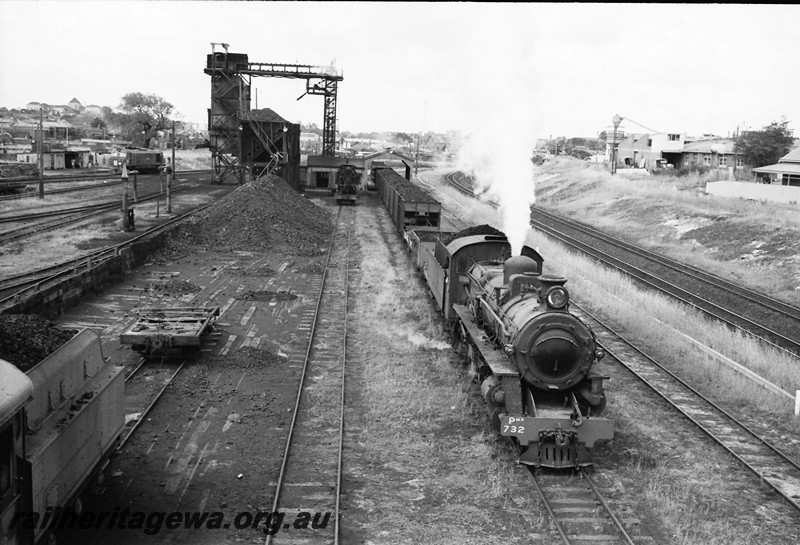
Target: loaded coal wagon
{"points": [[408, 204]]}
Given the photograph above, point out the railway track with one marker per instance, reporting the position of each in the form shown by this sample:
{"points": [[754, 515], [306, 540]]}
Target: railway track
{"points": [[757, 314], [13, 288], [466, 184], [55, 218], [109, 180], [311, 472], [757, 453], [578, 509], [144, 386]]}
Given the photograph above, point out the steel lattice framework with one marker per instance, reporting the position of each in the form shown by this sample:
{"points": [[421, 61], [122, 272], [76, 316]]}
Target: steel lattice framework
{"points": [[231, 78]]}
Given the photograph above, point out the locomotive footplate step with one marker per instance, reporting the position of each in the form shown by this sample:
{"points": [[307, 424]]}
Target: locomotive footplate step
{"points": [[162, 328], [497, 362]]}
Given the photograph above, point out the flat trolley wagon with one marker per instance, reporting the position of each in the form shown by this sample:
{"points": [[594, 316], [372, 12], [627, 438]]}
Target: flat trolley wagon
{"points": [[161, 329]]}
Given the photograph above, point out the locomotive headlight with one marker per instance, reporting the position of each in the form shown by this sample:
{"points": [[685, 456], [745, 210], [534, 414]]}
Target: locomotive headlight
{"points": [[557, 297]]}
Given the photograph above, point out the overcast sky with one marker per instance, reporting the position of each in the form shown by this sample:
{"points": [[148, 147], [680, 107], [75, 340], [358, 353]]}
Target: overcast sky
{"points": [[560, 69]]}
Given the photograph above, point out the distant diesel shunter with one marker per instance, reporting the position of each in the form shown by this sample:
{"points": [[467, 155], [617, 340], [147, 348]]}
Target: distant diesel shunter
{"points": [[347, 181]]}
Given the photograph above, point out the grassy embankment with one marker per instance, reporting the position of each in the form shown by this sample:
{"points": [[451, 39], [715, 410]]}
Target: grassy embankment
{"points": [[644, 211]]}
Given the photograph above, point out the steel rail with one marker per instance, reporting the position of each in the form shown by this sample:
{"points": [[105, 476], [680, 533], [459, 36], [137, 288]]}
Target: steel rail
{"points": [[733, 420], [543, 498], [150, 406], [684, 268], [679, 293], [344, 375], [33, 194], [602, 500], [88, 177], [303, 374], [598, 497], [77, 216], [65, 268]]}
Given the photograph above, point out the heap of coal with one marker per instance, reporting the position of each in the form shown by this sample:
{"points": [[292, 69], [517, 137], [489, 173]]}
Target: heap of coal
{"points": [[484, 229], [27, 339], [260, 215]]}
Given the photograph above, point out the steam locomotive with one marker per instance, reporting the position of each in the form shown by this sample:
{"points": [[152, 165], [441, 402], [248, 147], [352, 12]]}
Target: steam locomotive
{"points": [[534, 358]]}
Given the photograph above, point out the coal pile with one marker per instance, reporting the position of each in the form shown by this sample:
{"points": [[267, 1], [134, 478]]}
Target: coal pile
{"points": [[484, 229], [267, 295], [264, 214], [27, 339], [173, 287]]}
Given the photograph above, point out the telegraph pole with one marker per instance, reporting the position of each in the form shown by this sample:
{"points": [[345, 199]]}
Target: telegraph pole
{"points": [[416, 157], [616, 120], [171, 176], [39, 157]]}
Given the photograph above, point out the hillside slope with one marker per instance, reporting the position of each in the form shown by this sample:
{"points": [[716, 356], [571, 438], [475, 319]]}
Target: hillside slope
{"points": [[755, 243]]}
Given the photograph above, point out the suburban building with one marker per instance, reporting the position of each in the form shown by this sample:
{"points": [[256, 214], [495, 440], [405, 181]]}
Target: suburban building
{"points": [[712, 153], [650, 150], [785, 172]]}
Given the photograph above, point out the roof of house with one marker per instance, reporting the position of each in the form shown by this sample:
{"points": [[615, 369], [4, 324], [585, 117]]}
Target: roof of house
{"points": [[791, 157], [780, 168], [722, 146]]}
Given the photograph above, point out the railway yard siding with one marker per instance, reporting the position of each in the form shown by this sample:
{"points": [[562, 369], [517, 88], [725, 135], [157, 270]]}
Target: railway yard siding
{"points": [[52, 300]]}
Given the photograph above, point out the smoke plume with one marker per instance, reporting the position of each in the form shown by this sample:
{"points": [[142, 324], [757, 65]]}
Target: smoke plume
{"points": [[501, 113]]}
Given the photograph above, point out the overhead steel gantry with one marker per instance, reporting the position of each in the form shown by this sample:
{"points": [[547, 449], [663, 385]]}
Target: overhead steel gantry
{"points": [[231, 79], [320, 80]]}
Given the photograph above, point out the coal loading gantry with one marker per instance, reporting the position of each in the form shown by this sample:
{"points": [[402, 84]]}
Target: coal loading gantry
{"points": [[241, 140]]}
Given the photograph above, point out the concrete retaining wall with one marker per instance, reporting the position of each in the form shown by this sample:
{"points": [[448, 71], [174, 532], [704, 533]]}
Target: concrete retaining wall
{"points": [[756, 192], [52, 301]]}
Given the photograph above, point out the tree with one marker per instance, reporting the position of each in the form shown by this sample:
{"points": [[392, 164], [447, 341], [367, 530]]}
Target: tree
{"points": [[311, 127], [403, 137], [98, 123], [141, 117], [767, 146]]}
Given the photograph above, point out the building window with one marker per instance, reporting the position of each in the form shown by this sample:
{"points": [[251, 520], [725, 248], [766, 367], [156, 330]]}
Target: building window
{"points": [[723, 161], [707, 160], [739, 162], [674, 137], [649, 142]]}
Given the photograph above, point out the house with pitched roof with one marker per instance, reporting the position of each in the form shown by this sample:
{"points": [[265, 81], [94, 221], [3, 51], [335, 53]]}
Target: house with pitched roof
{"points": [[712, 153], [785, 172]]}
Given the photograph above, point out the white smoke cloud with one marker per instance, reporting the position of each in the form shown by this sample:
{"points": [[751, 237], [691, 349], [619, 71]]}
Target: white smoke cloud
{"points": [[503, 115]]}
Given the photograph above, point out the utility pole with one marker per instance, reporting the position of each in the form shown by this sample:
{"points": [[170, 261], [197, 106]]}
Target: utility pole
{"points": [[416, 158], [172, 173], [39, 157], [616, 120], [125, 217]]}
